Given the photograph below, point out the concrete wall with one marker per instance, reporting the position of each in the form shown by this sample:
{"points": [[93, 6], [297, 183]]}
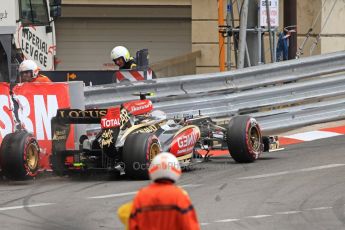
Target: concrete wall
{"points": [[333, 33], [205, 34], [332, 29], [307, 13], [205, 29]]}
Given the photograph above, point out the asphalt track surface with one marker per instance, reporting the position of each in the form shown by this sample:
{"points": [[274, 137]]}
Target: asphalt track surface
{"points": [[301, 187]]}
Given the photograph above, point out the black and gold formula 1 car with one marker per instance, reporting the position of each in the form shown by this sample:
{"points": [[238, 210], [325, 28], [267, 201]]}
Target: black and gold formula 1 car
{"points": [[133, 133]]}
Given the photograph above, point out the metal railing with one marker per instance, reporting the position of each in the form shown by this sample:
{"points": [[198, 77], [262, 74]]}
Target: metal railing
{"points": [[293, 85]]}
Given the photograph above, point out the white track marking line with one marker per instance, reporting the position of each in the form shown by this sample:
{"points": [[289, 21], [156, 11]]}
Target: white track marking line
{"points": [[264, 175], [317, 209], [25, 206], [288, 212], [133, 193], [113, 195], [204, 224], [321, 167], [227, 220], [292, 171], [264, 216], [258, 216], [191, 185], [313, 135]]}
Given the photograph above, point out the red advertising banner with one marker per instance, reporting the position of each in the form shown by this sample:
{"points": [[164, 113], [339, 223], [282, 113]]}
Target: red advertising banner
{"points": [[6, 121], [38, 103]]}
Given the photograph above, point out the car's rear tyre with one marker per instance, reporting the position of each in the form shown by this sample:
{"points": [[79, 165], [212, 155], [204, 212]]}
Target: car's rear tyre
{"points": [[244, 139], [138, 151], [58, 165], [19, 156]]}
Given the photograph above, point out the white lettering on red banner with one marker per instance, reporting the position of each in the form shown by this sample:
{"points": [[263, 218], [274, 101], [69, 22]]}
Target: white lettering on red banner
{"points": [[43, 115], [38, 104], [112, 119], [111, 123], [42, 120], [24, 113], [5, 121]]}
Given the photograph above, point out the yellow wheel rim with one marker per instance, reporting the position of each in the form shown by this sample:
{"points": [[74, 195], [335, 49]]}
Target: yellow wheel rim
{"points": [[154, 150], [32, 157], [254, 138]]}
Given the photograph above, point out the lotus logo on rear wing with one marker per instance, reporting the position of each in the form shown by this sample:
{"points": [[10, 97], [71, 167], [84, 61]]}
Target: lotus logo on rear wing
{"points": [[77, 113]]}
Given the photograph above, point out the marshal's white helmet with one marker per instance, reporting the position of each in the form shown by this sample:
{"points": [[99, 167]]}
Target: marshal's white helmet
{"points": [[120, 51], [28, 65], [165, 166]]}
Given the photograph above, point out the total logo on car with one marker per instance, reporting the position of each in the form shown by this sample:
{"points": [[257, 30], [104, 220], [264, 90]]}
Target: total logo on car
{"points": [[112, 119]]}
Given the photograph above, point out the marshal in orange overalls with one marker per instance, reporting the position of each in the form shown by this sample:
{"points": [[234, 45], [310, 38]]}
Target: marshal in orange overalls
{"points": [[162, 205], [41, 78]]}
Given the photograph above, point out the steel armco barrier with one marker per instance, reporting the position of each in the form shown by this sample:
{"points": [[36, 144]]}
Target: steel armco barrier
{"points": [[280, 95]]}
